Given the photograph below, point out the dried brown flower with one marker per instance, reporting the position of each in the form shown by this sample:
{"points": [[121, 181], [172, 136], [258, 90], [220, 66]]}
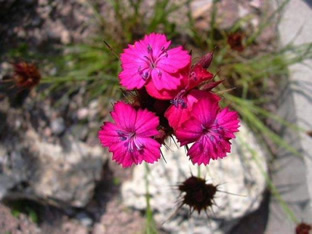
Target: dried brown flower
{"points": [[197, 194], [303, 228], [235, 40], [26, 75]]}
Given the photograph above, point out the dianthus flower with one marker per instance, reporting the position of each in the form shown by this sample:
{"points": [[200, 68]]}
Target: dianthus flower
{"points": [[182, 106], [190, 76], [210, 128], [188, 94], [149, 62], [131, 137]]}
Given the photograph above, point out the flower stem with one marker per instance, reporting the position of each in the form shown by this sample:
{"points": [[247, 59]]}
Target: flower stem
{"points": [[198, 171], [150, 224]]}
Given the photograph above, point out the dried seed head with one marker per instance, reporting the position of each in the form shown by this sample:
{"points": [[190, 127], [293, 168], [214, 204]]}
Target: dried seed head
{"points": [[26, 75], [197, 194], [235, 41], [303, 228]]}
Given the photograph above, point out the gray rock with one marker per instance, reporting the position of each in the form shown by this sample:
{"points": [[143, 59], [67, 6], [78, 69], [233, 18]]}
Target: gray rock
{"points": [[84, 219], [55, 174], [239, 173], [58, 126]]}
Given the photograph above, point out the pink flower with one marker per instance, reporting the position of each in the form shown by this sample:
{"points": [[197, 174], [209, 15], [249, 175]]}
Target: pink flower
{"points": [[130, 138], [190, 76], [188, 93], [182, 106], [149, 61], [210, 128]]}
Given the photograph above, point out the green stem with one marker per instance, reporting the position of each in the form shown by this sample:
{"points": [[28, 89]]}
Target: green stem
{"points": [[198, 171], [150, 225], [213, 24]]}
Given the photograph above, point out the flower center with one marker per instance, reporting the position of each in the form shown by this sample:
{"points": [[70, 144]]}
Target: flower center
{"points": [[180, 100], [151, 61], [213, 132], [131, 141]]}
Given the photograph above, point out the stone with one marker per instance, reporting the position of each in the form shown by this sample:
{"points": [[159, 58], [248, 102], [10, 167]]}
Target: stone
{"points": [[239, 177], [84, 219], [58, 126], [61, 175], [65, 37], [98, 229], [82, 113], [73, 227]]}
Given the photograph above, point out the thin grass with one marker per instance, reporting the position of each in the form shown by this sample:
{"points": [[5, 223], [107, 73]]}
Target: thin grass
{"points": [[150, 223]]}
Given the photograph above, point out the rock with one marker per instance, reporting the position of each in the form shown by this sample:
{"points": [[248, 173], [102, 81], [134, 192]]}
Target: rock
{"points": [[73, 227], [79, 131], [60, 175], [98, 229], [65, 37], [58, 126], [239, 176], [82, 113], [4, 69], [118, 219], [84, 219], [93, 109]]}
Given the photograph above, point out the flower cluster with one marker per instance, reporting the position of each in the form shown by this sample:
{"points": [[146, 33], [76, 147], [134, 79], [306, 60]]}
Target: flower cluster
{"points": [[167, 96]]}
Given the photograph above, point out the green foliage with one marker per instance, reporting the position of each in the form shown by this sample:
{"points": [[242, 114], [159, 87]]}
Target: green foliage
{"points": [[150, 227], [25, 207]]}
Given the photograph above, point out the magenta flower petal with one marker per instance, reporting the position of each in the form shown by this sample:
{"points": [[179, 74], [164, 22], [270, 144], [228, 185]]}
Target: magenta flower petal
{"points": [[197, 75], [146, 123], [206, 110], [124, 116], [210, 129], [151, 60], [160, 94], [176, 59], [161, 79], [135, 82], [182, 106], [131, 137], [194, 132]]}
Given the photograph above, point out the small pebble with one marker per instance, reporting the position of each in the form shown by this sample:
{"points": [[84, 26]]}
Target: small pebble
{"points": [[58, 126], [82, 113], [84, 219]]}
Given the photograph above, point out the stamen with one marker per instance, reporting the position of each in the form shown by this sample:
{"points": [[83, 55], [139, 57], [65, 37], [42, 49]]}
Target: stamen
{"points": [[145, 75], [149, 49], [149, 60], [193, 76], [134, 145], [121, 135], [204, 128]]}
